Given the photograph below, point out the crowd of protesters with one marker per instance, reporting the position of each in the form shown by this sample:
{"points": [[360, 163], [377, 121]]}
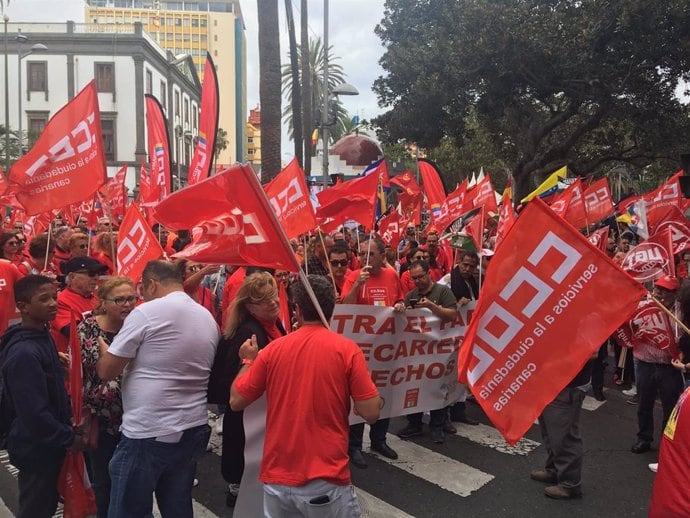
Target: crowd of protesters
{"points": [[148, 401]]}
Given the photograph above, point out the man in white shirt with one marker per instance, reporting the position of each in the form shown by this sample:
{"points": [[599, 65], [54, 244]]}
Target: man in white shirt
{"points": [[165, 349]]}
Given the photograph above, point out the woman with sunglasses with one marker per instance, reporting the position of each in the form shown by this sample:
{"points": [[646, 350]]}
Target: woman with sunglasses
{"points": [[192, 274], [10, 245], [254, 312], [104, 246], [103, 399]]}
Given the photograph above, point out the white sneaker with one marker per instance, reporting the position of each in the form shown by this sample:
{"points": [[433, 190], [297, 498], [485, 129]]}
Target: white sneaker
{"points": [[195, 483], [653, 467], [219, 425], [631, 391]]}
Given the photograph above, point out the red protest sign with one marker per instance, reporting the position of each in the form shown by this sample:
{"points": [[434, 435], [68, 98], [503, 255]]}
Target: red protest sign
{"points": [[548, 302]]}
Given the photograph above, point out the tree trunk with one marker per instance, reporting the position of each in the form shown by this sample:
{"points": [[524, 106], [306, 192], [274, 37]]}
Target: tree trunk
{"points": [[307, 107], [297, 135], [269, 87]]}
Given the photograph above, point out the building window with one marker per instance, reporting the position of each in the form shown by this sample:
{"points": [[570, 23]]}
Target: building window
{"points": [[186, 111], [105, 77], [195, 118], [250, 151], [164, 95], [195, 38], [185, 22], [250, 140], [37, 72], [36, 122], [203, 22], [215, 37], [149, 82], [195, 22], [177, 103], [108, 132], [203, 38]]}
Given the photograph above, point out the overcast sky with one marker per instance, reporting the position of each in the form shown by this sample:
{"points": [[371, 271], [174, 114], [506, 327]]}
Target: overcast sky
{"points": [[351, 34]]}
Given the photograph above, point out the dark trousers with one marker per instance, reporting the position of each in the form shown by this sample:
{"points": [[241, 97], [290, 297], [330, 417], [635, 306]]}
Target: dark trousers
{"points": [[599, 366], [377, 434], [38, 495], [560, 429], [655, 379], [438, 418], [100, 477]]}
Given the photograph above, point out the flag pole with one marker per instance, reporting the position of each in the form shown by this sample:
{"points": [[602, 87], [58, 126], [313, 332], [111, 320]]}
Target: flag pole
{"points": [[45, 263], [328, 262], [671, 314]]}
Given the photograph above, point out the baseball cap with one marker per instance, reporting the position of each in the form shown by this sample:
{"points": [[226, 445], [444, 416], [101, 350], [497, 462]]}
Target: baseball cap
{"points": [[77, 264], [668, 283]]}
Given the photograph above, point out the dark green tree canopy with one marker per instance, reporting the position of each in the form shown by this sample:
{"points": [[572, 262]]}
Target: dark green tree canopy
{"points": [[588, 83]]}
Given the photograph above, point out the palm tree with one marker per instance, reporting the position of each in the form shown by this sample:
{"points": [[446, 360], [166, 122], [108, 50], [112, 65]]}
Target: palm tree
{"points": [[222, 143], [335, 77], [14, 151], [307, 122], [296, 100], [269, 87]]}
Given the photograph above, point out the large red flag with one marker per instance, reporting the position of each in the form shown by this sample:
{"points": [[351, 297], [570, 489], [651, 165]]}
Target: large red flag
{"points": [[391, 227], [484, 195], [651, 259], [289, 197], [668, 193], [549, 301], [3, 182], [200, 167], [410, 198], [598, 202], [433, 188], [67, 163], [354, 199], [231, 221], [136, 244], [648, 325], [159, 149]]}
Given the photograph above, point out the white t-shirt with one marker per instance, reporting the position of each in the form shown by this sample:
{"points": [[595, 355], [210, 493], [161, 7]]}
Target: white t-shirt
{"points": [[172, 342]]}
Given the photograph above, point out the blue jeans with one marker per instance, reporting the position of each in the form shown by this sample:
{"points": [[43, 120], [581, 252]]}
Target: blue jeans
{"points": [[317, 499], [141, 467]]}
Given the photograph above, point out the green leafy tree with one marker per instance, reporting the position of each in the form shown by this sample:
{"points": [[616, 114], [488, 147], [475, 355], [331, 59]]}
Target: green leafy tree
{"points": [[587, 83], [222, 143], [13, 151]]}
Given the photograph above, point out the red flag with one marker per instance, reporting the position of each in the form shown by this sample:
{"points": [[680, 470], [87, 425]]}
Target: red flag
{"points": [[136, 244], [354, 199], [599, 238], [455, 205], [289, 197], [668, 193], [652, 258], [200, 167], [433, 188], [475, 229], [570, 205], [159, 149], [549, 301], [391, 228], [67, 163], [144, 184], [680, 235], [231, 220], [410, 198], [484, 195], [598, 202], [648, 325], [3, 182], [37, 224], [116, 194], [506, 217]]}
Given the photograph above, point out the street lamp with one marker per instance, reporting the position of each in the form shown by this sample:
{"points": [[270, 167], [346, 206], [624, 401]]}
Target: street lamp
{"points": [[22, 38], [7, 104]]}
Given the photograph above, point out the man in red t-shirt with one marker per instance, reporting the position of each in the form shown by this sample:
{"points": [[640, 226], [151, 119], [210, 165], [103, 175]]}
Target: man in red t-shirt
{"points": [[307, 422], [670, 497], [8, 309], [374, 285]]}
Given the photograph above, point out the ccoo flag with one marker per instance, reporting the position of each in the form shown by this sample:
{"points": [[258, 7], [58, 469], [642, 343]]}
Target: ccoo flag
{"points": [[159, 150], [200, 167]]}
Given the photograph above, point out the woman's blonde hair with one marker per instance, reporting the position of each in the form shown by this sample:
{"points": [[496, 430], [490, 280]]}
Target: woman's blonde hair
{"points": [[255, 289], [108, 285], [103, 242]]}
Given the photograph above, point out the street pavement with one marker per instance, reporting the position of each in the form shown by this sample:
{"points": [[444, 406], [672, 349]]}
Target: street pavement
{"points": [[474, 473]]}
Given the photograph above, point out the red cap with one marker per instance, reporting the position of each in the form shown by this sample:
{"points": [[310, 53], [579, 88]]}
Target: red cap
{"points": [[668, 283]]}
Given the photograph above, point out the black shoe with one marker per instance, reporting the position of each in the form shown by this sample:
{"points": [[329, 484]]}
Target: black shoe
{"points": [[467, 420], [411, 430], [385, 450], [448, 427], [357, 458], [437, 435], [641, 447], [599, 394]]}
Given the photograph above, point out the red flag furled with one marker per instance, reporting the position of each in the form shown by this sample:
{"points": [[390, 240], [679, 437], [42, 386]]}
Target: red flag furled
{"points": [[599, 238], [354, 199], [231, 221], [433, 188], [598, 202], [391, 227], [289, 197], [200, 167], [67, 163], [652, 258], [136, 244], [159, 150], [506, 217], [549, 301]]}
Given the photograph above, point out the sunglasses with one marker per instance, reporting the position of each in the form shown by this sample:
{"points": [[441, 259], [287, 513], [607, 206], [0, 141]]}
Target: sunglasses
{"points": [[121, 301], [339, 262], [89, 273]]}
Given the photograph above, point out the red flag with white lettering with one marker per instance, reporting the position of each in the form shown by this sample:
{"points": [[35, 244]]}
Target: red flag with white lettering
{"points": [[159, 150], [668, 193], [391, 227], [289, 197], [549, 301], [483, 195], [599, 238], [136, 244], [651, 259], [598, 202], [506, 216], [231, 221], [144, 184], [648, 325], [67, 163], [200, 167], [116, 194]]}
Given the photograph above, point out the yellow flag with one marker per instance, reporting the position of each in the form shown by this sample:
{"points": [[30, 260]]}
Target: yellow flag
{"points": [[548, 186]]}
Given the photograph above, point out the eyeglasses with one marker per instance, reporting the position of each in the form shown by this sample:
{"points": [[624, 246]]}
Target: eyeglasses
{"points": [[282, 275], [87, 272], [339, 262], [418, 277], [121, 301], [194, 268]]}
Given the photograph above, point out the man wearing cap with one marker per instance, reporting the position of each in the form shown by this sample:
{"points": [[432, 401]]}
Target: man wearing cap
{"points": [[655, 374], [77, 298]]}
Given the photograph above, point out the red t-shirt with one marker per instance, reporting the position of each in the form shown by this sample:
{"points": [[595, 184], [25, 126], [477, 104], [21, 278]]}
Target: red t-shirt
{"points": [[383, 289], [8, 309], [670, 496], [232, 286], [309, 377], [69, 301]]}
